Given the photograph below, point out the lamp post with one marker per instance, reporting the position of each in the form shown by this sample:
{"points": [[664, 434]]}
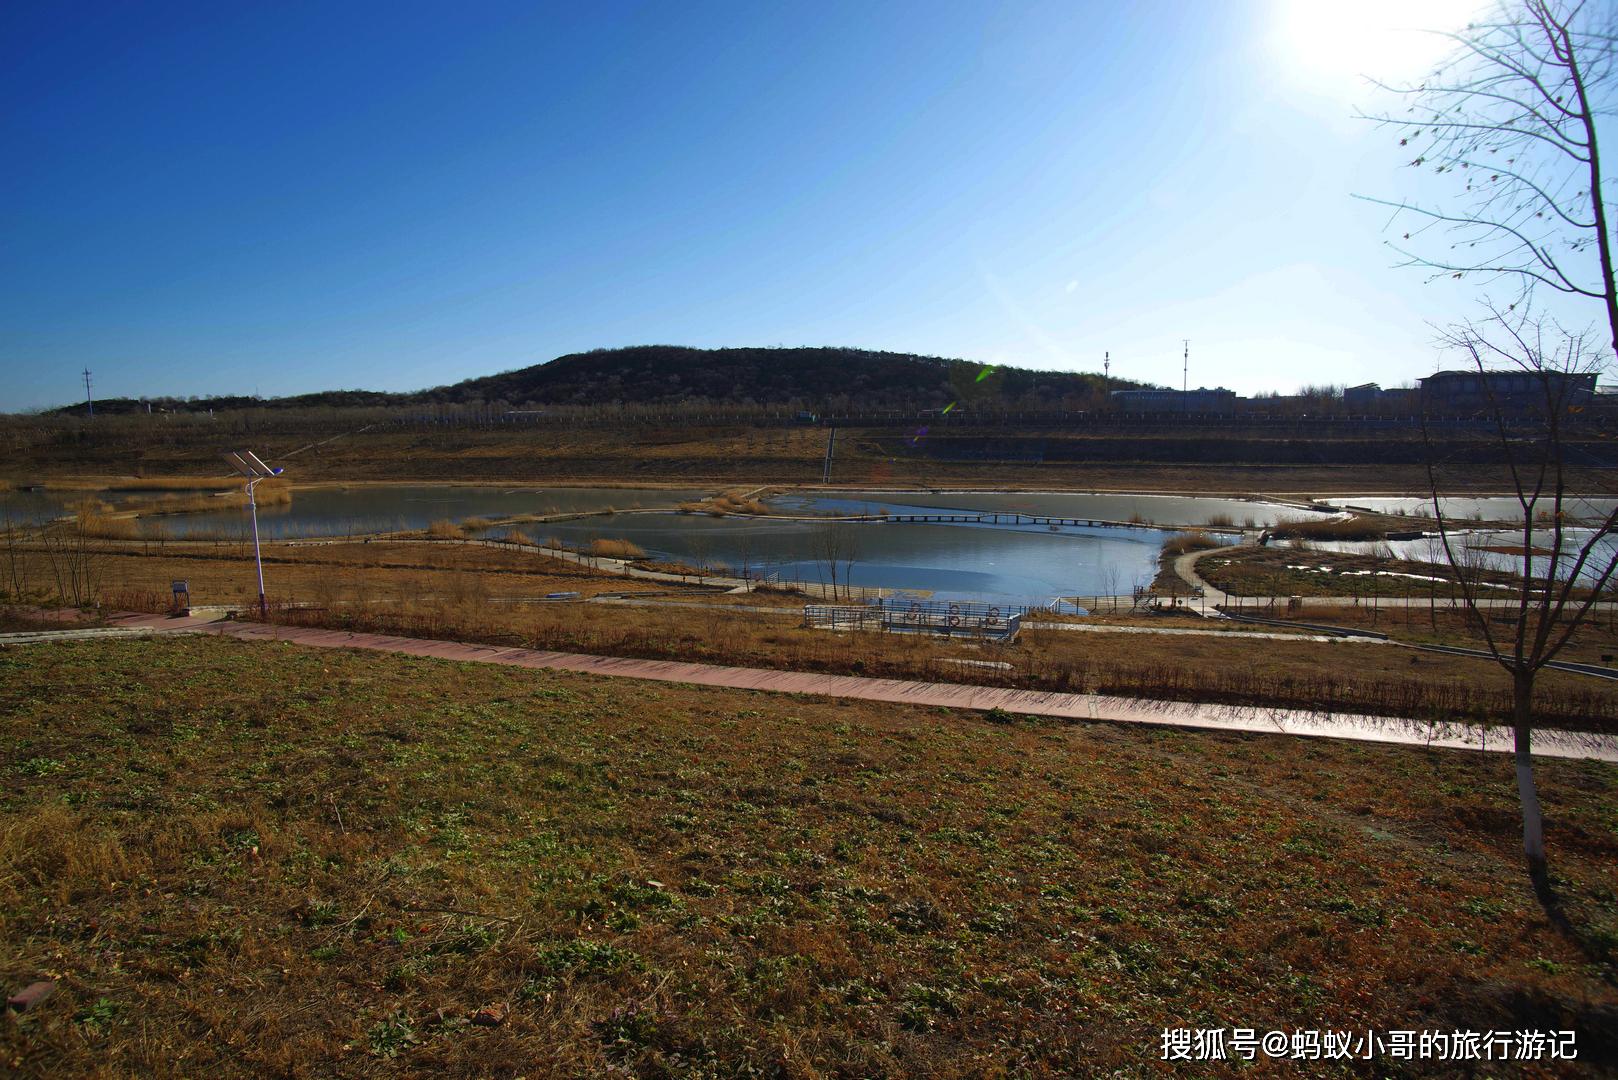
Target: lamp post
{"points": [[248, 464]]}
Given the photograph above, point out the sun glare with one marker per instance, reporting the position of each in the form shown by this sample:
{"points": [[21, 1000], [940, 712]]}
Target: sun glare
{"points": [[1332, 47]]}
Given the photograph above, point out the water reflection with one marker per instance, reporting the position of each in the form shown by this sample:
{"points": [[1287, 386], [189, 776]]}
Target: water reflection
{"points": [[1007, 565]]}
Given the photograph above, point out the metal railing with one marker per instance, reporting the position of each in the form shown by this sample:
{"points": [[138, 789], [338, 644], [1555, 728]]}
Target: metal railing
{"points": [[941, 617]]}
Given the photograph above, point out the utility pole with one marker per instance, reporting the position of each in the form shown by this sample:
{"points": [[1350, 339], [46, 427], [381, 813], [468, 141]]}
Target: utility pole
{"points": [[1185, 377], [1106, 377], [89, 401]]}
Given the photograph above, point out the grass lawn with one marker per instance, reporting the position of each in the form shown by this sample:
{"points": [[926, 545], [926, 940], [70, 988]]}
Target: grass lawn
{"points": [[245, 859]]}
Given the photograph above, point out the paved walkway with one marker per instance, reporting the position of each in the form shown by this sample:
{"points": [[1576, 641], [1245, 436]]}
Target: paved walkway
{"points": [[1186, 567], [1090, 707]]}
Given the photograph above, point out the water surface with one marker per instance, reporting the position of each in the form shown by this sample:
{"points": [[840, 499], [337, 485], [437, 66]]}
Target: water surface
{"points": [[1476, 508], [1102, 506]]}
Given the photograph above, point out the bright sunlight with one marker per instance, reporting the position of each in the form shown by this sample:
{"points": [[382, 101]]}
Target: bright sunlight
{"points": [[1332, 47]]}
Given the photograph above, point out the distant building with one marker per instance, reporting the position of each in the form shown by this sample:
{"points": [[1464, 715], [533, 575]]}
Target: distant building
{"points": [[1468, 391], [1369, 398], [1199, 400], [1362, 398]]}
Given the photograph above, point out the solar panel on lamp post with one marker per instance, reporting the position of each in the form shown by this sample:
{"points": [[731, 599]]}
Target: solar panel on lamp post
{"points": [[248, 464]]}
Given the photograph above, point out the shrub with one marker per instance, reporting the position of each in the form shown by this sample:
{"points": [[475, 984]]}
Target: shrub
{"points": [[616, 549], [1351, 528], [444, 529], [1195, 540]]}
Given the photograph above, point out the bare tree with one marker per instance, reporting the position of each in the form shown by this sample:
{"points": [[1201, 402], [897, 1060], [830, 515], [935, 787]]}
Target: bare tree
{"points": [[76, 558], [836, 549], [1111, 575], [744, 555], [14, 577], [700, 545], [1568, 551], [1510, 119]]}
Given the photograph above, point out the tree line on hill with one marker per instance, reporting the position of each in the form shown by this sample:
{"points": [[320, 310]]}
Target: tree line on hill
{"points": [[816, 379]]}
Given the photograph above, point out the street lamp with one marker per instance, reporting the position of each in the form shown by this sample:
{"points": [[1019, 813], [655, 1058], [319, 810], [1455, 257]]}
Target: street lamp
{"points": [[248, 464]]}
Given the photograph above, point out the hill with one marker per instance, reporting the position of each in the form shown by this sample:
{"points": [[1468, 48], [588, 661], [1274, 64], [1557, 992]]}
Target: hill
{"points": [[811, 378], [817, 378]]}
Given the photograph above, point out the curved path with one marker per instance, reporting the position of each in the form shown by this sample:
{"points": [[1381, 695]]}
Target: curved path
{"points": [[1186, 567], [1090, 707]]}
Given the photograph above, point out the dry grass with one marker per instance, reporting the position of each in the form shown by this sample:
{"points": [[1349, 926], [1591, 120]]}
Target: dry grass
{"points": [[1354, 527], [1595, 642], [89, 506], [616, 549], [1303, 675], [137, 575], [113, 484], [734, 455], [181, 483], [274, 491], [1293, 570], [444, 529], [1194, 540], [189, 504], [107, 527], [731, 502], [444, 591], [277, 861]]}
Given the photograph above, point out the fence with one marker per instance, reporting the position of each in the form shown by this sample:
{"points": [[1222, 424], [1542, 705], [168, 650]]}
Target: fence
{"points": [[1094, 604], [940, 617]]}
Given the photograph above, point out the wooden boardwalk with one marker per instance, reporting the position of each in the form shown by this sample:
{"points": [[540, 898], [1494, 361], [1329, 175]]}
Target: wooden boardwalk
{"points": [[1087, 707]]}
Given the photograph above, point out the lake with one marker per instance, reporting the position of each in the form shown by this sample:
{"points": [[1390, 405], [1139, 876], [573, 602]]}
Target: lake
{"points": [[1006, 564], [1000, 563]]}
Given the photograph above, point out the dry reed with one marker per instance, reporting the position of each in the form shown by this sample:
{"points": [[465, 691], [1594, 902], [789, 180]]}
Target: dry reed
{"points": [[445, 529], [1193, 540], [616, 549]]}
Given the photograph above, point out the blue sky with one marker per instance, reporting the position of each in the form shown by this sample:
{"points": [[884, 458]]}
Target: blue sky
{"points": [[239, 198]]}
